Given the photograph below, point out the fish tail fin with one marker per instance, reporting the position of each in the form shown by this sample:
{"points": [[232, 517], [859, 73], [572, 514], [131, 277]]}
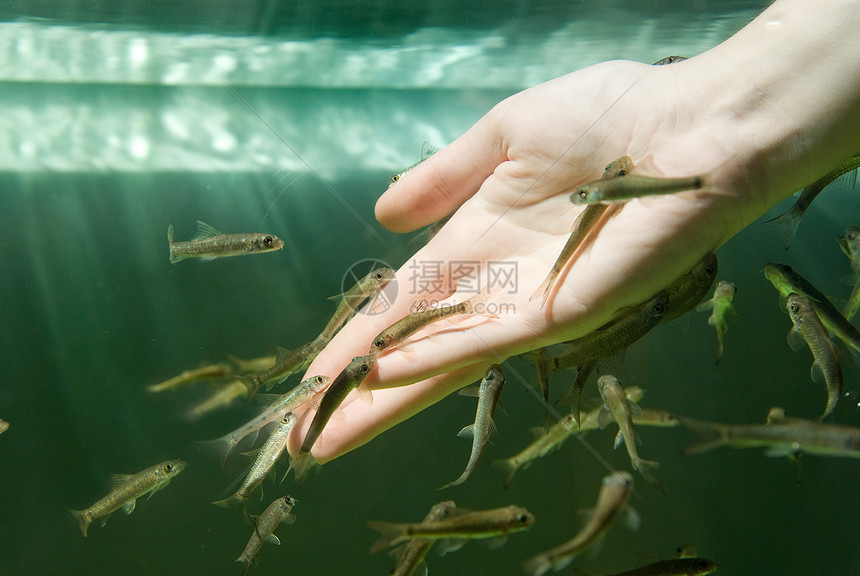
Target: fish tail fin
{"points": [[224, 446], [509, 467], [648, 469], [233, 501], [252, 383], [301, 463], [538, 565], [246, 564], [391, 533], [708, 436], [463, 477], [544, 289], [83, 518], [790, 221]]}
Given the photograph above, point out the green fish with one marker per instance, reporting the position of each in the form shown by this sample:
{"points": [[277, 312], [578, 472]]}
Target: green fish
{"points": [[277, 513], [722, 309], [849, 241], [413, 552], [634, 186]]}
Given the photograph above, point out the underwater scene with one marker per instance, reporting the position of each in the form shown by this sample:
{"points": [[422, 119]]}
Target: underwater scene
{"points": [[286, 121]]}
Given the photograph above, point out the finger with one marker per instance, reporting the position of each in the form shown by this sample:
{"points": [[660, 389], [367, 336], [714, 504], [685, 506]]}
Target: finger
{"points": [[440, 184], [361, 421]]}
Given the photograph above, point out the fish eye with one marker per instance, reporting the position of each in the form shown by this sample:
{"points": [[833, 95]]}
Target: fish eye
{"points": [[522, 519], [379, 275], [318, 379], [622, 173], [583, 193], [851, 235], [364, 369], [659, 309], [709, 270], [794, 307], [168, 467], [395, 178], [267, 240], [379, 343], [787, 268]]}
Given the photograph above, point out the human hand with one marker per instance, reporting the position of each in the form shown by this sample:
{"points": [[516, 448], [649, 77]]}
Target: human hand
{"points": [[509, 179]]}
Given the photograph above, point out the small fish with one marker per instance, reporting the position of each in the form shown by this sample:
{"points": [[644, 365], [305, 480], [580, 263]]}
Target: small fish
{"points": [[413, 552], [265, 460], [621, 410], [634, 186], [427, 150], [348, 380], [276, 513], [282, 404], [286, 362], [612, 498], [463, 525], [367, 287], [610, 338], [254, 364], [849, 241], [409, 325], [786, 281], [222, 397], [824, 352], [687, 290], [781, 436], [209, 243], [674, 567], [722, 309], [547, 441], [127, 488], [212, 372], [790, 219], [669, 60], [488, 396], [585, 222]]}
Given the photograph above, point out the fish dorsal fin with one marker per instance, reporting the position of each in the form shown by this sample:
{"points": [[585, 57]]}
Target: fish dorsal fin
{"points": [[205, 230], [467, 431], [266, 399], [775, 415], [619, 438], [281, 354], [117, 480], [427, 150]]}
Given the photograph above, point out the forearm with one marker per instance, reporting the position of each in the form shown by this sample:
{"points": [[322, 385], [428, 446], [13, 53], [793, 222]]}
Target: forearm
{"points": [[788, 94]]}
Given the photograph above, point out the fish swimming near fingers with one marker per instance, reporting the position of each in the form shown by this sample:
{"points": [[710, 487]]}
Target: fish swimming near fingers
{"points": [[790, 219], [584, 224], [209, 243], [635, 186], [127, 488], [349, 379], [488, 397]]}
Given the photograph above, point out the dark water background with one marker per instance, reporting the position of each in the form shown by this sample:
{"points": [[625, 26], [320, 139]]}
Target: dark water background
{"points": [[91, 311]]}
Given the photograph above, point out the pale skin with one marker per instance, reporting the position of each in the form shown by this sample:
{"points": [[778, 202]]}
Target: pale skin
{"points": [[765, 113]]}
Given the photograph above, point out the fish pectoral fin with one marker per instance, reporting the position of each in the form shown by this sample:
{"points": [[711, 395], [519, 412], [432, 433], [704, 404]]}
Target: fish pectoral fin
{"points": [[632, 520], [288, 519], [795, 339], [470, 390], [816, 373], [619, 439], [272, 539], [128, 507], [492, 428], [364, 394], [450, 545], [494, 543], [604, 417]]}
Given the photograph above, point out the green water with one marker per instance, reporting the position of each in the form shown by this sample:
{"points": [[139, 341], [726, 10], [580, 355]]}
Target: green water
{"points": [[130, 128]]}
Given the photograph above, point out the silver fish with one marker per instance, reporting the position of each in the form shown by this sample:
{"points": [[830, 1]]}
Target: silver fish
{"points": [[809, 327], [790, 219], [280, 405], [675, 567], [213, 372], [781, 436], [620, 409], [669, 60], [464, 525], [366, 287], [276, 513], [488, 396], [427, 150], [209, 243], [127, 488], [612, 498], [265, 460], [413, 552], [634, 186]]}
